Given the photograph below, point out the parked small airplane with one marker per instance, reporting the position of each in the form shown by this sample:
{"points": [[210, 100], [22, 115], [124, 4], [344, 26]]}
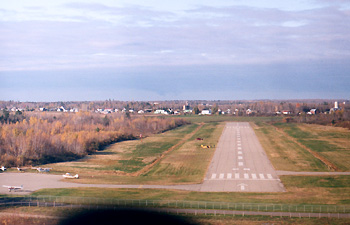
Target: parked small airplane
{"points": [[20, 169], [43, 169], [68, 175], [3, 168], [13, 187]]}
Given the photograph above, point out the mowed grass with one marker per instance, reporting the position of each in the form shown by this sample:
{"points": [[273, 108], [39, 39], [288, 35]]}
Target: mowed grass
{"points": [[188, 164], [328, 190], [283, 153], [333, 143]]}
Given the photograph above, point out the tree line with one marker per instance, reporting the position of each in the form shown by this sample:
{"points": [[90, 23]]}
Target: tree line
{"points": [[45, 137]]}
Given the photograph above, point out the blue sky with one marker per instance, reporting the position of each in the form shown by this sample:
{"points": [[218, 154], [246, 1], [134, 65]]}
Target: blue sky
{"points": [[162, 50]]}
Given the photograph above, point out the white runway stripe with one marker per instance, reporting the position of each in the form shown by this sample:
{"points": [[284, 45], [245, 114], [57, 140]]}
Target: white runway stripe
{"points": [[240, 163], [237, 176]]}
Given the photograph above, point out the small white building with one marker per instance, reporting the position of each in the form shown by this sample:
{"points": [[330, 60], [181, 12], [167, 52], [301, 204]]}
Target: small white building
{"points": [[161, 111], [206, 112]]}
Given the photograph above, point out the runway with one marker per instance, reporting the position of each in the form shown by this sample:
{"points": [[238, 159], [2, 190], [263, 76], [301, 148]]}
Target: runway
{"points": [[240, 163]]}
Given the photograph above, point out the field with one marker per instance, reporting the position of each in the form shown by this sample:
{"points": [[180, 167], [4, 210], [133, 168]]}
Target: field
{"points": [[172, 157], [289, 146], [52, 216]]}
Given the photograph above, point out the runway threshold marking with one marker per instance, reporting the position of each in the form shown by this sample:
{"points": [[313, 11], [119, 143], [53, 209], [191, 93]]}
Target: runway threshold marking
{"points": [[269, 176], [213, 176], [221, 176]]}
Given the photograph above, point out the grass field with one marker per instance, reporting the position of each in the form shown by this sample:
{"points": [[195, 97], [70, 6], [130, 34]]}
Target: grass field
{"points": [[332, 190], [185, 163], [55, 215], [286, 153]]}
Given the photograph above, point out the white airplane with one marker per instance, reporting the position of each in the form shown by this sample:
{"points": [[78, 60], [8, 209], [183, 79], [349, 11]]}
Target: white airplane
{"points": [[68, 175], [13, 187], [20, 169], [3, 168], [43, 169]]}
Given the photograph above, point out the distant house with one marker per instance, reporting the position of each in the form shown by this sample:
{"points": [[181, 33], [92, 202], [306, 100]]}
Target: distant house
{"points": [[62, 109], [314, 111], [286, 112], [74, 110], [160, 111], [141, 112], [250, 112], [206, 112]]}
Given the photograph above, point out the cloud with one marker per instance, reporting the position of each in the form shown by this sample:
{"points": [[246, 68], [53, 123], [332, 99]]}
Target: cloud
{"points": [[85, 35]]}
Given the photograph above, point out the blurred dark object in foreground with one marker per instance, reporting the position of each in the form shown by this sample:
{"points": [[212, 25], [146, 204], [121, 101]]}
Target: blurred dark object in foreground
{"points": [[124, 216]]}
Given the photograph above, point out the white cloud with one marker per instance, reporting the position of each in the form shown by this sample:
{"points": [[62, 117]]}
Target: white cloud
{"points": [[81, 35]]}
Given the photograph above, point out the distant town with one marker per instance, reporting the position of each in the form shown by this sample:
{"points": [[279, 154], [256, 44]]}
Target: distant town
{"points": [[237, 108]]}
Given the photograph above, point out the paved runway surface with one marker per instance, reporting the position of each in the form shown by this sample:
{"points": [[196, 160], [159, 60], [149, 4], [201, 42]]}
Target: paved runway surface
{"points": [[240, 163]]}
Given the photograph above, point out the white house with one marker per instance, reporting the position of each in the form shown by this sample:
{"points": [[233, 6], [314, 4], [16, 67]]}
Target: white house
{"points": [[160, 111], [206, 112]]}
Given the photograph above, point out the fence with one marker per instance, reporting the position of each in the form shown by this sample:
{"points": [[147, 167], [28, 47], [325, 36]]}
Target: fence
{"points": [[53, 201]]}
